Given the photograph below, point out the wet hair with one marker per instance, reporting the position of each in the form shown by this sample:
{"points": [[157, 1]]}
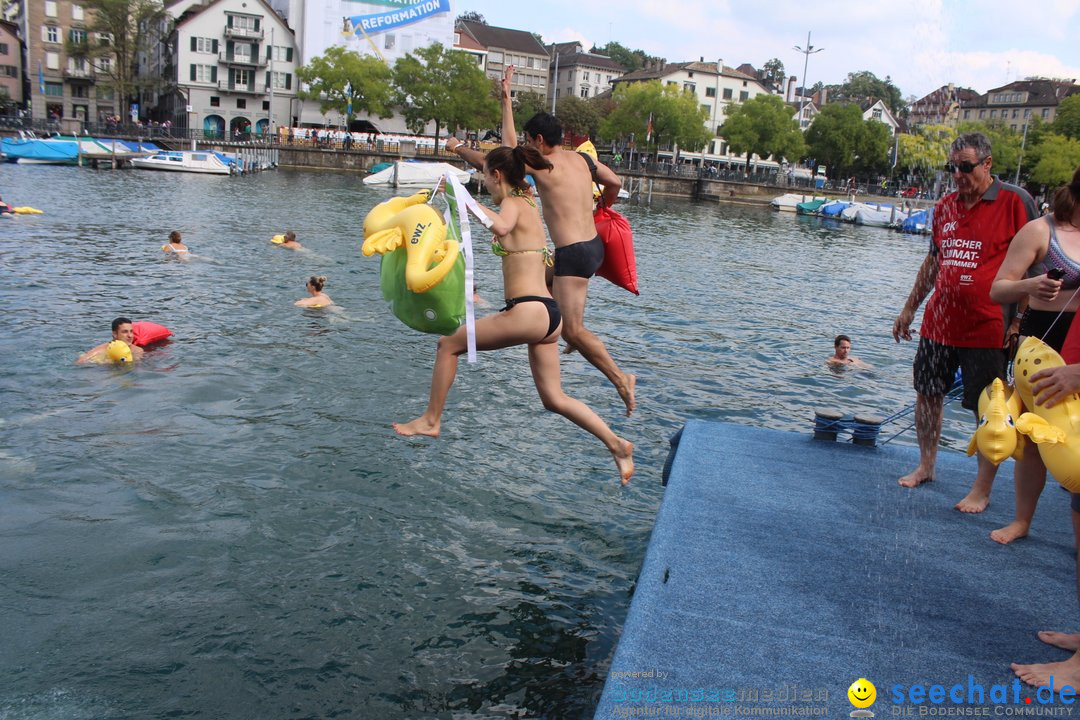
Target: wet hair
{"points": [[174, 236], [546, 126], [839, 339], [120, 321], [975, 140], [1066, 198], [511, 163], [290, 236], [317, 282]]}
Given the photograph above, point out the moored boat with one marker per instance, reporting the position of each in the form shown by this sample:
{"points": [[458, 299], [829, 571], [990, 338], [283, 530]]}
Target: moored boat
{"points": [[789, 201], [192, 161], [415, 174], [30, 150]]}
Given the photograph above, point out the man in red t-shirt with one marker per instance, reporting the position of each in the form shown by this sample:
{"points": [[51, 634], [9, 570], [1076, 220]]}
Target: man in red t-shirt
{"points": [[962, 327]]}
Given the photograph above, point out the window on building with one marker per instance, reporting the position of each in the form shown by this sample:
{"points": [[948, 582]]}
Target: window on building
{"points": [[1016, 113], [77, 36], [79, 90], [4, 49], [495, 56], [244, 22], [584, 92], [241, 78], [204, 73], [706, 109], [672, 83], [1046, 112], [204, 45], [76, 12], [54, 89], [876, 114], [967, 114], [743, 96], [9, 71], [50, 8], [104, 65], [727, 93], [241, 104], [1013, 127], [282, 81], [215, 101], [390, 42], [689, 87], [1027, 113], [556, 93], [710, 92], [585, 76], [104, 93], [266, 104], [982, 114], [242, 52], [993, 113], [104, 38], [50, 34], [52, 60]]}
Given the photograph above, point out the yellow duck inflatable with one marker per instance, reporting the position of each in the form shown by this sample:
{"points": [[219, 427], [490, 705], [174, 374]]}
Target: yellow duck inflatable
{"points": [[410, 221], [1055, 430], [996, 437]]}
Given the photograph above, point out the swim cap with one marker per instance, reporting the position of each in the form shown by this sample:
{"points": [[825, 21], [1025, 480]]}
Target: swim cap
{"points": [[119, 352], [277, 239]]}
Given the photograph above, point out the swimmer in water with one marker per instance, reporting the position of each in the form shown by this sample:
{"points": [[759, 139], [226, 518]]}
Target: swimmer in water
{"points": [[176, 246], [531, 316], [842, 354], [121, 330], [318, 298], [290, 241]]}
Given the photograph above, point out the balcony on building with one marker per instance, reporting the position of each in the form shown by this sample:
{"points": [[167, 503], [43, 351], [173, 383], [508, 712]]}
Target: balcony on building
{"points": [[243, 33], [245, 60], [226, 86], [85, 73]]}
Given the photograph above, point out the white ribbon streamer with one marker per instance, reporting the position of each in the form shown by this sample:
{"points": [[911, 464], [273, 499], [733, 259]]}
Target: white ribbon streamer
{"points": [[464, 203]]}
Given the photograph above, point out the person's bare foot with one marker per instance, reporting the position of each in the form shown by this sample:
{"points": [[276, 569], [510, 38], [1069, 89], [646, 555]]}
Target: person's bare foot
{"points": [[626, 392], [419, 426], [1065, 641], [624, 460], [915, 478], [1013, 531], [1057, 675], [973, 502]]}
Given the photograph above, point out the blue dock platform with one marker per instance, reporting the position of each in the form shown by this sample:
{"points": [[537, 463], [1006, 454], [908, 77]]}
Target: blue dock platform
{"points": [[782, 569]]}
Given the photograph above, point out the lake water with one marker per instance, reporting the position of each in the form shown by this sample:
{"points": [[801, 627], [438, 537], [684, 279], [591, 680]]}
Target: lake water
{"points": [[231, 529]]}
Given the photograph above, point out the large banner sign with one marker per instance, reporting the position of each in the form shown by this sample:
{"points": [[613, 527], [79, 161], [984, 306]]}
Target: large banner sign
{"points": [[388, 29], [407, 15]]}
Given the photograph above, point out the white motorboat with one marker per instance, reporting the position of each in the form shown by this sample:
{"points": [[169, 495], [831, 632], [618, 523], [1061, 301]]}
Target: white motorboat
{"points": [[415, 174], [880, 216], [192, 161], [788, 201]]}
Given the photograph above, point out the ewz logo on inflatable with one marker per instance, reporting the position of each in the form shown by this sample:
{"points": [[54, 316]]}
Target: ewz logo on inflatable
{"points": [[418, 233], [975, 694]]}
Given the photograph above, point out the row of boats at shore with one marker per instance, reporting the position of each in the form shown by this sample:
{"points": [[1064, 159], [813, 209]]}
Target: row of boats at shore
{"points": [[860, 213], [28, 149]]}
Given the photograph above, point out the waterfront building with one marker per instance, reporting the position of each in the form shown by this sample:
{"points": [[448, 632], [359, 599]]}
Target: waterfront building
{"points": [[875, 109], [64, 89], [1018, 102], [576, 73], [941, 107], [511, 47], [11, 64], [716, 86], [229, 68]]}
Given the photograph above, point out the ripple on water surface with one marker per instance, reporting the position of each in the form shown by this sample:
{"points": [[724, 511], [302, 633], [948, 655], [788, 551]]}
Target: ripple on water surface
{"points": [[232, 529]]}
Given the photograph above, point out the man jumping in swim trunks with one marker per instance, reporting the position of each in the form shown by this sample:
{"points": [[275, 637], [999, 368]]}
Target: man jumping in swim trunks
{"points": [[566, 194]]}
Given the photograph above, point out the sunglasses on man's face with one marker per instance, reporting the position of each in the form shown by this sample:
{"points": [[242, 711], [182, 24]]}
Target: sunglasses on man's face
{"points": [[964, 167]]}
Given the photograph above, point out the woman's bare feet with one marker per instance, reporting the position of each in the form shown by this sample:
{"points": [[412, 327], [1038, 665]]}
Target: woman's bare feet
{"points": [[419, 426], [624, 460], [916, 477], [1065, 641], [626, 392], [1013, 531], [1058, 674], [974, 502]]}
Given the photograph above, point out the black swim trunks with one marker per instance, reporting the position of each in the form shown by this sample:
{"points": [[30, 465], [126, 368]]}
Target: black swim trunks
{"points": [[580, 259], [935, 367], [554, 316]]}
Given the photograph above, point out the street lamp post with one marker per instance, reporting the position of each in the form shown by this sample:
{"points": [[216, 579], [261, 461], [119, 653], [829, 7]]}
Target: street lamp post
{"points": [[810, 50], [716, 100]]}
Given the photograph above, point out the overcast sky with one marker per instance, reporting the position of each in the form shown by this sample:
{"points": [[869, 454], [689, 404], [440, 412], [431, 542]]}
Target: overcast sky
{"points": [[920, 44]]}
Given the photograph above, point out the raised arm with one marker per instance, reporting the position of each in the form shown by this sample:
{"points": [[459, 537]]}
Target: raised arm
{"points": [[509, 132], [473, 157]]}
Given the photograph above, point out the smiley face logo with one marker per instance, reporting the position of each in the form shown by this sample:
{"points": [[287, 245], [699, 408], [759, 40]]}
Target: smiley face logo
{"points": [[862, 693]]}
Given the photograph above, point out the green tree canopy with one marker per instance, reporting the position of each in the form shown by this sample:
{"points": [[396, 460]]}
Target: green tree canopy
{"points": [[527, 104], [763, 126], [579, 117], [677, 116], [924, 151], [472, 16], [773, 72], [1067, 120], [865, 84], [328, 76], [443, 86], [1055, 160], [114, 33], [840, 139], [630, 60]]}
